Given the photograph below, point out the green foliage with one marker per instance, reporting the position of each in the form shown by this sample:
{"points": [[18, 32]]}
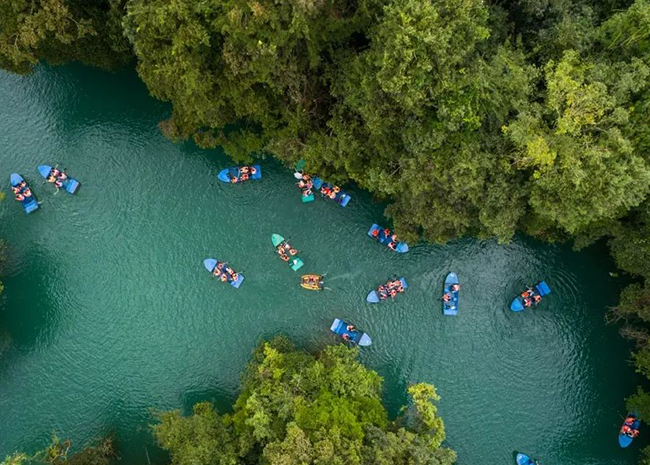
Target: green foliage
{"points": [[60, 31], [297, 409]]}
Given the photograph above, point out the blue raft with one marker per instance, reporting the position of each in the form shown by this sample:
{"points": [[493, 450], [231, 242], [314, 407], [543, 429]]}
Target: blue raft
{"points": [[211, 263], [29, 203], [451, 307], [69, 184], [523, 459], [623, 439], [229, 174], [356, 337], [373, 296], [540, 289], [401, 247], [341, 197]]}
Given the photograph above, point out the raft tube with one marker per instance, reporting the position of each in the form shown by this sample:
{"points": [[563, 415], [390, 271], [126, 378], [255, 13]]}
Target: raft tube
{"points": [[623, 439], [451, 307], [70, 185], [357, 337], [306, 281], [224, 175], [341, 198], [540, 289], [523, 459], [210, 263], [294, 262], [29, 204], [373, 297], [401, 247]]}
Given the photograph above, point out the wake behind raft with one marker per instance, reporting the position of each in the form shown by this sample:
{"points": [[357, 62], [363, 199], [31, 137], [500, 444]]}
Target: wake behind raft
{"points": [[350, 334], [222, 271], [390, 289], [23, 193], [238, 174], [59, 178], [531, 296]]}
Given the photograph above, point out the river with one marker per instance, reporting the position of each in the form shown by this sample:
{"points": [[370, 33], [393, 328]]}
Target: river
{"points": [[108, 313]]}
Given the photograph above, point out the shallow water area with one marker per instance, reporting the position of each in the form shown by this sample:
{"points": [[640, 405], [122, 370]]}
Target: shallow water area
{"points": [[108, 312]]}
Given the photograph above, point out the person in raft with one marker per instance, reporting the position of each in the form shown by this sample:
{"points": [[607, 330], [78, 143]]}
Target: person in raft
{"points": [[446, 297], [537, 299], [20, 197], [375, 233], [352, 328], [27, 193], [56, 181], [455, 288], [216, 272], [629, 432]]}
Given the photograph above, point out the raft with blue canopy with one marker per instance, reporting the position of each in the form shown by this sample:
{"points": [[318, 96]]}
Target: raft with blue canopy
{"points": [[377, 233], [541, 289], [29, 203], [623, 439], [523, 459], [210, 264], [234, 175], [450, 307], [376, 295], [69, 184], [340, 197], [340, 327]]}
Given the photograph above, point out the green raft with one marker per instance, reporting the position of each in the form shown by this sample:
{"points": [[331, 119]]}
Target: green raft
{"points": [[284, 250]]}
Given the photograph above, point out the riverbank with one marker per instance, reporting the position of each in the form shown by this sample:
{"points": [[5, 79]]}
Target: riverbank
{"points": [[108, 308]]}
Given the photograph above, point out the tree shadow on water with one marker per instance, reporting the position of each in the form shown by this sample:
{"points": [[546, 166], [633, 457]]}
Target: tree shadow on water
{"points": [[29, 313]]}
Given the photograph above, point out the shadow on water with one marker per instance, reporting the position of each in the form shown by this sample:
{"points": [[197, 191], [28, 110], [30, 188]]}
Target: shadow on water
{"points": [[31, 316]]}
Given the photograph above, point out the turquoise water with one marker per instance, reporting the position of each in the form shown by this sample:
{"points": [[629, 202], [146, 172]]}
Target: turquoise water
{"points": [[108, 312]]}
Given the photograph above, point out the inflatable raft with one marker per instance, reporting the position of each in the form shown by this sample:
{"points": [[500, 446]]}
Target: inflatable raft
{"points": [[70, 185], [625, 439], [210, 264], [293, 260], [378, 295], [523, 459], [29, 203], [540, 289], [450, 307], [377, 233], [355, 336], [313, 282], [328, 189], [234, 175]]}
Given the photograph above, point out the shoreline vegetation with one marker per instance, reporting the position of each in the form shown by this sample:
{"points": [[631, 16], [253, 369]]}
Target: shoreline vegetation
{"points": [[468, 117], [293, 408]]}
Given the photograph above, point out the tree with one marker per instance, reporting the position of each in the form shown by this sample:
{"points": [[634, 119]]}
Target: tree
{"points": [[60, 31], [296, 408]]}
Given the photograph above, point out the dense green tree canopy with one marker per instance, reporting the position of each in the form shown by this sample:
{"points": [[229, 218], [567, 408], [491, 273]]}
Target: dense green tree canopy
{"points": [[467, 116], [296, 408]]}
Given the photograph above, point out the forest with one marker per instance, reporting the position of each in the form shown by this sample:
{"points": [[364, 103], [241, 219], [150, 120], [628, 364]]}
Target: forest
{"points": [[294, 408], [467, 117]]}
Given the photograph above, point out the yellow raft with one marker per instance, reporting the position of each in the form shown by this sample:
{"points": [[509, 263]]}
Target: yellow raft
{"points": [[313, 282]]}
